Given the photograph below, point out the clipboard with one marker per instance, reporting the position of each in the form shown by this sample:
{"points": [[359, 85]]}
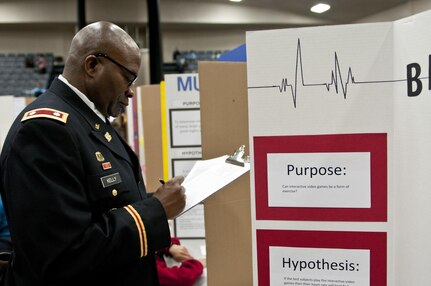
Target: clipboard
{"points": [[238, 157], [209, 176]]}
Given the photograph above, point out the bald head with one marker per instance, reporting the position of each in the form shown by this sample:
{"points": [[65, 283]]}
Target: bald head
{"points": [[103, 62], [104, 37]]}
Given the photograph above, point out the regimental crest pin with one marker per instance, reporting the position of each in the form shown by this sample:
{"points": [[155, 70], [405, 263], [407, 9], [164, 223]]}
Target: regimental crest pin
{"points": [[99, 157], [108, 136]]}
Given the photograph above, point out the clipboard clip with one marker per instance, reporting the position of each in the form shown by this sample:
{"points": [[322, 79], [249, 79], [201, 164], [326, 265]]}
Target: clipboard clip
{"points": [[238, 157]]}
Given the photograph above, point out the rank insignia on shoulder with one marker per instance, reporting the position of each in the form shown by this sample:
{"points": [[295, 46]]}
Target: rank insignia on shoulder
{"points": [[46, 113]]}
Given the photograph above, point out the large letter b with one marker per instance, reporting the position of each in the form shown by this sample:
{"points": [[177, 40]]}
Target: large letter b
{"points": [[415, 78]]}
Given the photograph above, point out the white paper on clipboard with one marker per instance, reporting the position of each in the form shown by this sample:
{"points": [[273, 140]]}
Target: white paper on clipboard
{"points": [[207, 177]]}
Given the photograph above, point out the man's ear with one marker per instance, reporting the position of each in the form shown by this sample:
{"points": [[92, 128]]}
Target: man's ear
{"points": [[91, 65]]}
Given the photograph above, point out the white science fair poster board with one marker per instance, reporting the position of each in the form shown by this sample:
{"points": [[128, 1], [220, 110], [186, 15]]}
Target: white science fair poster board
{"points": [[184, 146], [340, 138], [183, 122]]}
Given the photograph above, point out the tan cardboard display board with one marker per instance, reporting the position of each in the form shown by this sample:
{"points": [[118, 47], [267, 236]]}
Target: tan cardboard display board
{"points": [[224, 127], [29, 100], [151, 116]]}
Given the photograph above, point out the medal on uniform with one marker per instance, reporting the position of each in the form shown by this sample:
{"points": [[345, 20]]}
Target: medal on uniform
{"points": [[106, 166]]}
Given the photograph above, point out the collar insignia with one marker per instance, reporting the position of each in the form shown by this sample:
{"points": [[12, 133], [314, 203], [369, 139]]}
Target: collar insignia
{"points": [[108, 136]]}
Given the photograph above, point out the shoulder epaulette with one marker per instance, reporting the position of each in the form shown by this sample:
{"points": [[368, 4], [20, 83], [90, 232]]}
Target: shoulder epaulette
{"points": [[46, 113]]}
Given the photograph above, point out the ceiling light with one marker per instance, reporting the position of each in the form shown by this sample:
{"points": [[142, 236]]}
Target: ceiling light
{"points": [[235, 0], [320, 8]]}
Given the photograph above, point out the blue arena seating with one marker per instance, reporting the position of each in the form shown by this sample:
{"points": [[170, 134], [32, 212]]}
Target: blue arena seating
{"points": [[18, 76]]}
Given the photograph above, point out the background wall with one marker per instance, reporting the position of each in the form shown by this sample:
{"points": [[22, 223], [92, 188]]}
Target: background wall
{"points": [[49, 25], [36, 38]]}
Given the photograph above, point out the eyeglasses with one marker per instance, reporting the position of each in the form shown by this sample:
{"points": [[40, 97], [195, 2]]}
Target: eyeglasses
{"points": [[120, 65]]}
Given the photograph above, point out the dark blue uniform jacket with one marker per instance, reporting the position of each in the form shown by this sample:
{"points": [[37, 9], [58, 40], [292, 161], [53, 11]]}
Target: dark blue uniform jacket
{"points": [[76, 202]]}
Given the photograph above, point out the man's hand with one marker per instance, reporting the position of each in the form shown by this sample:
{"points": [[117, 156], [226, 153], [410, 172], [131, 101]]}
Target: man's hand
{"points": [[172, 196], [179, 253]]}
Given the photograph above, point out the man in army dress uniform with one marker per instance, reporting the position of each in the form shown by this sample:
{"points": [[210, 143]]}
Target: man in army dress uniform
{"points": [[73, 191]]}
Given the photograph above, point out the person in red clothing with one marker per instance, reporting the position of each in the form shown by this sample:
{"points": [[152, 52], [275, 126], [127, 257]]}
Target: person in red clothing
{"points": [[185, 274]]}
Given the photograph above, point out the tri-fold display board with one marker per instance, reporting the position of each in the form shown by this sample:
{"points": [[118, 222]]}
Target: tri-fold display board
{"points": [[340, 136]]}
